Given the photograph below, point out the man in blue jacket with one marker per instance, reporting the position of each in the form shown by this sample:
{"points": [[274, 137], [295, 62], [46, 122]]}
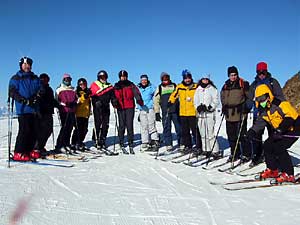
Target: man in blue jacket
{"points": [[24, 89]]}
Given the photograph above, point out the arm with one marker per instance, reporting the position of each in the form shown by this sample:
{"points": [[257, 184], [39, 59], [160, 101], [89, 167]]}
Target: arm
{"points": [[156, 100]]}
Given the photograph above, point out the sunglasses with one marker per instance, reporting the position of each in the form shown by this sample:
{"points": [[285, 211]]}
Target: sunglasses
{"points": [[264, 72], [262, 98]]}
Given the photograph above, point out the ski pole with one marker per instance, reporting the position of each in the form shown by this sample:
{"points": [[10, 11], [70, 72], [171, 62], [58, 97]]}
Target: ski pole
{"points": [[237, 141], [164, 125], [116, 128], [10, 118]]}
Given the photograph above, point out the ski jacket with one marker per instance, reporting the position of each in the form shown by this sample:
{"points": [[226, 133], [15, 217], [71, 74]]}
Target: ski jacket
{"points": [[67, 98], [126, 92], [83, 107], [272, 83], [235, 100], [102, 94], [147, 94], [207, 96], [47, 101], [185, 94], [161, 98], [23, 86]]}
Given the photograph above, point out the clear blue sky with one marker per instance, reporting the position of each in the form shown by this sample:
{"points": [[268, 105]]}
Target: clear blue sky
{"points": [[204, 36]]}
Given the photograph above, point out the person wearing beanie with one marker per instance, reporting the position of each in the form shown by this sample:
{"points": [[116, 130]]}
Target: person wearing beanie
{"points": [[102, 93], [67, 100], [263, 76], [25, 90], [236, 104], [206, 100], [169, 114], [126, 92], [82, 113], [185, 92], [45, 119], [149, 134]]}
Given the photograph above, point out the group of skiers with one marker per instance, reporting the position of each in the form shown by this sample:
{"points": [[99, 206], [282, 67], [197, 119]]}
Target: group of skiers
{"points": [[190, 106]]}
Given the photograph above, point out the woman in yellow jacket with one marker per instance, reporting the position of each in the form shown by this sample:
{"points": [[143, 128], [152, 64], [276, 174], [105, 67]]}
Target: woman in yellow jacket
{"points": [[185, 93], [284, 121], [83, 110]]}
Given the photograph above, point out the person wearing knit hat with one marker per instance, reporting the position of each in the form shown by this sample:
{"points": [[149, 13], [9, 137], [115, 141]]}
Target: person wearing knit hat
{"points": [[235, 107], [170, 114], [263, 76]]}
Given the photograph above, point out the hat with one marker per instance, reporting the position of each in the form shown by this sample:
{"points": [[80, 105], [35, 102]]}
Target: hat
{"points": [[25, 59], [232, 69], [102, 73], [186, 74], [144, 76], [261, 66], [67, 76], [164, 74], [123, 73], [44, 76]]}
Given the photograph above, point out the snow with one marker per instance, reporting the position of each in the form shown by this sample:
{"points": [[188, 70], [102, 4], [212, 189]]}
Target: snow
{"points": [[137, 190]]}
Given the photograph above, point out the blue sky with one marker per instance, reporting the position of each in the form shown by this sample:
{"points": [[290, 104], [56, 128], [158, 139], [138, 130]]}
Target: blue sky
{"points": [[83, 37]]}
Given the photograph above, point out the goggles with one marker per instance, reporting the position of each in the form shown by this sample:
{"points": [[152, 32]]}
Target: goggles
{"points": [[262, 98]]}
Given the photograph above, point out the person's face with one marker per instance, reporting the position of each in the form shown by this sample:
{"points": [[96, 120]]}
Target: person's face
{"points": [[82, 85], [205, 81], [144, 82], [233, 77], [123, 78], [26, 67], [44, 81], [187, 80], [262, 74]]}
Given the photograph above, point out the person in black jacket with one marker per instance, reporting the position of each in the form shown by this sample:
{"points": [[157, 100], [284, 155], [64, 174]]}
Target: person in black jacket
{"points": [[45, 119]]}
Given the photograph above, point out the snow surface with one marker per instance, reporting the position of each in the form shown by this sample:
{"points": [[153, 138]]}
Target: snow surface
{"points": [[137, 190]]}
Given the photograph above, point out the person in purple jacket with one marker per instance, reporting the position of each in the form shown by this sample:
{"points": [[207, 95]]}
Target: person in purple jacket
{"points": [[67, 99]]}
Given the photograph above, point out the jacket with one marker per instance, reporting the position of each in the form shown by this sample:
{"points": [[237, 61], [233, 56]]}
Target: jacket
{"points": [[147, 94], [185, 94], [66, 97], [83, 107], [102, 94], [161, 98], [207, 96]]}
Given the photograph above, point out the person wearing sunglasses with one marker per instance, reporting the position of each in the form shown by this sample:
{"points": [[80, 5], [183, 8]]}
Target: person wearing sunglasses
{"points": [[263, 76], [284, 123]]}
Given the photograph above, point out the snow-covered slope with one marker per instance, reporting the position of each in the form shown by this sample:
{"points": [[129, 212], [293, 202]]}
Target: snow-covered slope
{"points": [[137, 190]]}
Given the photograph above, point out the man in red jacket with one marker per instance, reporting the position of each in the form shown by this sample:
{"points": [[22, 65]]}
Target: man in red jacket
{"points": [[126, 92]]}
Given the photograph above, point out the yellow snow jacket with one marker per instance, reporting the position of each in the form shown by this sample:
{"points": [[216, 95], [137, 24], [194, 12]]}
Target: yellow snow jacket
{"points": [[83, 108]]}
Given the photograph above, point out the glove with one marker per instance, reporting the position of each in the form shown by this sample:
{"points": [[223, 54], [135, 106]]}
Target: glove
{"points": [[250, 135], [169, 104], [201, 108], [277, 134], [224, 109], [157, 117], [209, 108], [32, 101]]}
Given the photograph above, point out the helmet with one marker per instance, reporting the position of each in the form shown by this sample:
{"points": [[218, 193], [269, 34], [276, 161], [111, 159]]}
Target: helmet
{"points": [[123, 73], [102, 74], [26, 60], [262, 92], [186, 74]]}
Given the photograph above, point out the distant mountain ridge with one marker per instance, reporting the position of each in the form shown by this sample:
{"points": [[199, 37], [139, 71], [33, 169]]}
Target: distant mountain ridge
{"points": [[291, 91]]}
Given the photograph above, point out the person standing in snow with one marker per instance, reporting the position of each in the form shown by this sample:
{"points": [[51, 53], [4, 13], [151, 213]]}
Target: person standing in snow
{"points": [[263, 76], [45, 120], [206, 100], [83, 111], [185, 92], [67, 99], [126, 92], [169, 114], [284, 121], [102, 93], [25, 90], [236, 104], [147, 115]]}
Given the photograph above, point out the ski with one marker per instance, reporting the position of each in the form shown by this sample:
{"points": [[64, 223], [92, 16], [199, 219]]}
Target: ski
{"points": [[185, 157], [215, 166], [63, 157], [234, 182], [45, 162], [231, 167], [195, 160], [177, 156]]}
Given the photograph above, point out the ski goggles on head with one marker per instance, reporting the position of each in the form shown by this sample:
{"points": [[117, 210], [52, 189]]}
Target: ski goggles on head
{"points": [[264, 72], [262, 98]]}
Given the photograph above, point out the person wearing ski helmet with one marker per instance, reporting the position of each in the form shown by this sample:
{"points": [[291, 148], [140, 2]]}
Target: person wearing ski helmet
{"points": [[102, 93], [82, 113], [67, 99], [149, 134], [284, 121], [25, 90], [126, 92], [169, 114], [263, 76], [185, 92], [236, 104], [206, 100]]}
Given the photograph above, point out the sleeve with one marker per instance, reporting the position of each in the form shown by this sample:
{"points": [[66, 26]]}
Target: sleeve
{"points": [[196, 98], [137, 95], [277, 90], [13, 90], [174, 95], [156, 100], [215, 99]]}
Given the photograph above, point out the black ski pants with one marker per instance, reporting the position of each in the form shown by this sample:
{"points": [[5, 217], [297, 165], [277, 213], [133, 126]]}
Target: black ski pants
{"points": [[101, 121], [188, 124], [125, 118], [80, 131], [67, 123], [45, 128]]}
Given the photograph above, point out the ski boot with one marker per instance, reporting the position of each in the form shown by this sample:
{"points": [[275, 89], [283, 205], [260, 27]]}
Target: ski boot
{"points": [[267, 173], [283, 178], [35, 154], [123, 149], [216, 155], [131, 150], [21, 157], [144, 147]]}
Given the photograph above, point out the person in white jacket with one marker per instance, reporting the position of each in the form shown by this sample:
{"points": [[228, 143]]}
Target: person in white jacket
{"points": [[206, 100]]}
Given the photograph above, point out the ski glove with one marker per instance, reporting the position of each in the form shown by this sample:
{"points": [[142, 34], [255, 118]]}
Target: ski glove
{"points": [[157, 117], [277, 135], [201, 108], [209, 108], [32, 101]]}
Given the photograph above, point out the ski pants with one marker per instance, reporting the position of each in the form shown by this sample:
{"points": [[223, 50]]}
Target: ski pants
{"points": [[206, 125], [80, 131], [276, 154], [167, 118], [67, 120], [101, 121], [148, 127], [188, 124], [27, 133], [45, 128], [125, 118], [232, 130]]}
